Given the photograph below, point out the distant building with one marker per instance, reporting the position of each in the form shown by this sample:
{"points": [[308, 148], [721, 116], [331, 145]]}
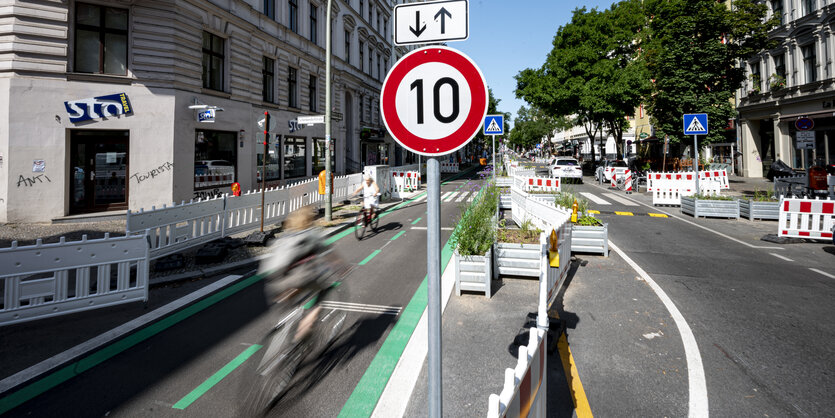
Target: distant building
{"points": [[795, 79], [114, 105]]}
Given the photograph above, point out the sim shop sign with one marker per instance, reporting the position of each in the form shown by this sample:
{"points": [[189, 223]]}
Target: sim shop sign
{"points": [[98, 107]]}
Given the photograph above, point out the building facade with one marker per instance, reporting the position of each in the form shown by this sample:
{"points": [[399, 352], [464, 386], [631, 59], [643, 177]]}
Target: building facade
{"points": [[126, 104], [793, 80]]}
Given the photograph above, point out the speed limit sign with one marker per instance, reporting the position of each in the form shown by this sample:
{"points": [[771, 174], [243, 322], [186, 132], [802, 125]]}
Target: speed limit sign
{"points": [[434, 100]]}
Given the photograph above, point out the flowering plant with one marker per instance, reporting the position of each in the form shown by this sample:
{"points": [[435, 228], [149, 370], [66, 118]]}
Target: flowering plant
{"points": [[476, 230]]}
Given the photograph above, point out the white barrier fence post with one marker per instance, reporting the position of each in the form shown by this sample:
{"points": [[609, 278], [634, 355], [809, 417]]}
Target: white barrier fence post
{"points": [[532, 369]]}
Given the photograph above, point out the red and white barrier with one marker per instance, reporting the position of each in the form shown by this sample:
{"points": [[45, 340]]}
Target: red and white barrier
{"points": [[681, 181], [449, 167], [627, 176], [806, 218], [212, 180], [720, 176], [403, 182], [542, 184], [525, 388]]}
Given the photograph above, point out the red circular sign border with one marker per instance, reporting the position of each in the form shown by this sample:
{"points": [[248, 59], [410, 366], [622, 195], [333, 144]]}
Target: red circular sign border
{"points": [[412, 60], [811, 121]]}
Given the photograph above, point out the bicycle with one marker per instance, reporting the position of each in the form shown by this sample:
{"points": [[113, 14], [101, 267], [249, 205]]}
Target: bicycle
{"points": [[364, 220]]}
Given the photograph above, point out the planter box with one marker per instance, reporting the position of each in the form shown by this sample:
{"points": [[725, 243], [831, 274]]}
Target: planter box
{"points": [[473, 272], [710, 208], [512, 259], [759, 210], [505, 202], [590, 239]]}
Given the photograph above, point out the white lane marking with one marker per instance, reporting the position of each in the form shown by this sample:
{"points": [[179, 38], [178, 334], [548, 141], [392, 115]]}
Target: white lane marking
{"points": [[651, 335], [446, 195], [398, 391], [822, 272], [698, 405], [782, 257], [702, 227], [620, 199], [360, 307], [472, 196], [114, 334], [423, 228], [421, 198], [595, 199], [461, 198], [451, 197]]}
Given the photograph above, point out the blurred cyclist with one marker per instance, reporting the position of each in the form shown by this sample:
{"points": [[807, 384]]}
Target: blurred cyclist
{"points": [[370, 195]]}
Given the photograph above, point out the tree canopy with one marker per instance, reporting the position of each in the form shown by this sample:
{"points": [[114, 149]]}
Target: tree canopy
{"points": [[531, 126]]}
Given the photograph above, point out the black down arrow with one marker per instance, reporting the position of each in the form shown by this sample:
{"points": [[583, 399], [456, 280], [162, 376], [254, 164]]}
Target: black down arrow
{"points": [[417, 30]]}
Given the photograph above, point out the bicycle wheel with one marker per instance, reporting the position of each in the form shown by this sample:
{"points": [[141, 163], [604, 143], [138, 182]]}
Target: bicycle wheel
{"points": [[265, 381], [375, 221], [359, 227]]}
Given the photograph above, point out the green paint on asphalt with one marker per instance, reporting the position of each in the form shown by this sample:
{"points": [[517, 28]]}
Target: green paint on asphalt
{"points": [[398, 235], [76, 368], [416, 221], [362, 401], [367, 259], [215, 378]]}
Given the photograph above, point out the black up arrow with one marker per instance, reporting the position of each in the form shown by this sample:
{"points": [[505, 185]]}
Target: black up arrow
{"points": [[443, 13], [417, 30]]}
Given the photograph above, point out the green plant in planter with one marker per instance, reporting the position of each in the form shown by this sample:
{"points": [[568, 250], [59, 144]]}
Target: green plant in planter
{"points": [[763, 196], [588, 220], [712, 197], [475, 230]]}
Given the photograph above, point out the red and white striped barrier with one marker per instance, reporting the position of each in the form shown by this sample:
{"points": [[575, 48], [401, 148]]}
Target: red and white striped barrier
{"points": [[211, 180], [542, 184], [525, 387], [680, 181], [403, 182], [449, 167], [627, 176], [720, 176], [806, 218]]}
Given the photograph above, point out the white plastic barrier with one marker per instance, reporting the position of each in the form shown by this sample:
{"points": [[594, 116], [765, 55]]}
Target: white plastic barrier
{"points": [[175, 228], [525, 388], [45, 280], [449, 167], [720, 176], [531, 183], [404, 182], [672, 195], [681, 181], [542, 213], [830, 183], [806, 218]]}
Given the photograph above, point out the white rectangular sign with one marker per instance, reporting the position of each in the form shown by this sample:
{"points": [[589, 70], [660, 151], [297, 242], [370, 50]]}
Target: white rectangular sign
{"points": [[311, 120], [437, 21], [805, 140]]}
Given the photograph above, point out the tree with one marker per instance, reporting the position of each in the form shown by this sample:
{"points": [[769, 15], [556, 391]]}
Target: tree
{"points": [[692, 54], [531, 126], [593, 70]]}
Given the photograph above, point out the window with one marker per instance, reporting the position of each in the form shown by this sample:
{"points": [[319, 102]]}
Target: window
{"points": [[371, 11], [779, 78], [810, 63], [273, 168], [756, 84], [347, 47], [292, 88], [370, 61], [101, 39], [313, 33], [808, 6], [214, 158], [268, 84], [294, 157], [362, 54], [379, 28], [379, 74], [311, 93], [269, 8], [386, 65], [385, 28], [212, 61], [293, 15], [319, 156], [362, 5], [777, 9]]}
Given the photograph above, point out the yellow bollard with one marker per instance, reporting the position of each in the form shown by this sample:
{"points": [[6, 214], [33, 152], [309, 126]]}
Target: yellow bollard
{"points": [[574, 208]]}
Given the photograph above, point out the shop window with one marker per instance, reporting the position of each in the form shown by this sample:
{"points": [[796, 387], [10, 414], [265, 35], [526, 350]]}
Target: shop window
{"points": [[294, 157], [101, 39], [214, 159], [319, 156], [268, 84], [273, 168], [213, 56]]}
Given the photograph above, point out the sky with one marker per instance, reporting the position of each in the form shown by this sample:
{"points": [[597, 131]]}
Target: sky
{"points": [[509, 36]]}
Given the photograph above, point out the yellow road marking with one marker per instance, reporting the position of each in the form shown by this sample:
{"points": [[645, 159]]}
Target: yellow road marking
{"points": [[658, 215], [625, 213], [596, 212], [578, 395]]}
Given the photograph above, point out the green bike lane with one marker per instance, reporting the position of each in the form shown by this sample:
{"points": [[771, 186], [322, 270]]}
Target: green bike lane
{"points": [[190, 367]]}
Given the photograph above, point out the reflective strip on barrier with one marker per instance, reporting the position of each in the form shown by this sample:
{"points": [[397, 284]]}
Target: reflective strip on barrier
{"points": [[806, 218]]}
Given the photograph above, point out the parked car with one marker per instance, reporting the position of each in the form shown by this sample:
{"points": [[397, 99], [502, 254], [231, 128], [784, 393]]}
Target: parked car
{"points": [[565, 167], [213, 167], [604, 171]]}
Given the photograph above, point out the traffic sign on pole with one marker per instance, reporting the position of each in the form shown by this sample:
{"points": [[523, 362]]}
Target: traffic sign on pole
{"points": [[695, 124], [804, 124], [437, 21], [433, 100], [494, 125]]}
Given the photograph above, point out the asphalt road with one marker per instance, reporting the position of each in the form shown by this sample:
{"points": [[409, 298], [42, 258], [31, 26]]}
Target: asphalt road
{"points": [[159, 373]]}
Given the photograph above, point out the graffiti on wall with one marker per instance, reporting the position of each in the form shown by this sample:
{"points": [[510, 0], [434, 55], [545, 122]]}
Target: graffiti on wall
{"points": [[33, 180], [140, 177], [207, 194]]}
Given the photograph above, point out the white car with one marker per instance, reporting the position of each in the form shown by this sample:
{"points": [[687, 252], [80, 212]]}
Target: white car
{"points": [[565, 167], [607, 168]]}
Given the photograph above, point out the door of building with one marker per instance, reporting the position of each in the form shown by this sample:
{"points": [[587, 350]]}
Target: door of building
{"points": [[98, 171]]}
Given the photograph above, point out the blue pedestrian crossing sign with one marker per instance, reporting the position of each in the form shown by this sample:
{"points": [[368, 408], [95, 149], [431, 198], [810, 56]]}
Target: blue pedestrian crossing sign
{"points": [[695, 124], [494, 125]]}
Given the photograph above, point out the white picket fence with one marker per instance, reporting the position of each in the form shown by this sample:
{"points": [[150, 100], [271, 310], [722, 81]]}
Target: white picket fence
{"points": [[46, 280], [806, 218], [447, 167], [178, 227], [530, 399]]}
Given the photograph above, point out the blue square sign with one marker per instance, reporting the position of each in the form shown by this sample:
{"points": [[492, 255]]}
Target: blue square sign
{"points": [[494, 125], [695, 124]]}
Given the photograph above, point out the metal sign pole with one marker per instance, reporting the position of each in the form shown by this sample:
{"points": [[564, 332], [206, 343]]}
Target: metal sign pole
{"points": [[328, 145], [264, 164], [433, 269], [696, 161], [494, 158]]}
